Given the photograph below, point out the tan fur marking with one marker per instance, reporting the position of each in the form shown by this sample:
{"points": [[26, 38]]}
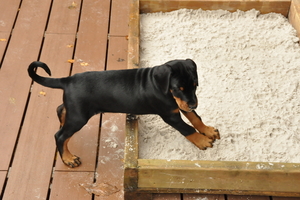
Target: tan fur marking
{"points": [[209, 131], [68, 158], [201, 141]]}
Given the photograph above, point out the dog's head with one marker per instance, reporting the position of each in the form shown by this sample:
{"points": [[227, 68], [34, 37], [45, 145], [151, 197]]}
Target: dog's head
{"points": [[180, 78]]}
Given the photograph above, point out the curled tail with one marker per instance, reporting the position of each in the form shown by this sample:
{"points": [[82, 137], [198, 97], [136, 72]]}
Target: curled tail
{"points": [[48, 82]]}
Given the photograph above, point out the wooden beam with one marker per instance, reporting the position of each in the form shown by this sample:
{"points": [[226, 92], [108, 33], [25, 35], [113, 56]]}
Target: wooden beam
{"points": [[294, 15], [277, 6]]}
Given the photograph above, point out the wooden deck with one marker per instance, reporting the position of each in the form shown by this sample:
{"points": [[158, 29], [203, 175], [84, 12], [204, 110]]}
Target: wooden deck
{"points": [[71, 36]]}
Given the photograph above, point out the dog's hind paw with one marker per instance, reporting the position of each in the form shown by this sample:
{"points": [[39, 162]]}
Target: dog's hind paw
{"points": [[72, 162]]}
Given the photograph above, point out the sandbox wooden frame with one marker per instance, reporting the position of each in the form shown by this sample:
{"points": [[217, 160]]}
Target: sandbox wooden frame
{"points": [[145, 176]]}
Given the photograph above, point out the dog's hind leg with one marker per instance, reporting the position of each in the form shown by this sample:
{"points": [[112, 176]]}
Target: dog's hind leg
{"points": [[61, 114], [71, 125]]}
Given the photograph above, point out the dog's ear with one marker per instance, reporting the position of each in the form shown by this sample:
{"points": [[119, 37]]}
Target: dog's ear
{"points": [[193, 66], [162, 76]]}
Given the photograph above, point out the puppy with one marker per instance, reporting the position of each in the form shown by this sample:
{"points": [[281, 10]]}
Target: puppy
{"points": [[164, 90]]}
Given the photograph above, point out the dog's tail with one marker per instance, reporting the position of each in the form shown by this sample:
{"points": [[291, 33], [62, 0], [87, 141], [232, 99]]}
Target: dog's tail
{"points": [[48, 82]]}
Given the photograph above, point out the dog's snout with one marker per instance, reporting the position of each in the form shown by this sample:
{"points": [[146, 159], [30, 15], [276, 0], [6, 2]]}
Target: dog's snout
{"points": [[193, 106]]}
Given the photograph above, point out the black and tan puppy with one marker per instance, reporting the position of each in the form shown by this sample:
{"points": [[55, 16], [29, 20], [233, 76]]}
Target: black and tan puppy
{"points": [[164, 90]]}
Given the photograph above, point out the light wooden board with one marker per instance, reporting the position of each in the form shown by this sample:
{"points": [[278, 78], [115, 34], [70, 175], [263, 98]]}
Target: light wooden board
{"points": [[278, 6], [67, 185], [294, 15], [23, 48], [34, 157]]}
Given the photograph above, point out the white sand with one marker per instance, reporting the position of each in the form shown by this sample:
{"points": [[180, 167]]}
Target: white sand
{"points": [[249, 72]]}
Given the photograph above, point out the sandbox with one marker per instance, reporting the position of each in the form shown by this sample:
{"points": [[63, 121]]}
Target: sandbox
{"points": [[217, 177]]}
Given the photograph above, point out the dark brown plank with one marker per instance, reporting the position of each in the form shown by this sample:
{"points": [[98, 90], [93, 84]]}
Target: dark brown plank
{"points": [[90, 54], [285, 198], [33, 162], [4, 36], [67, 185], [203, 196], [111, 153], [64, 17], [117, 53], [3, 175], [119, 18], [92, 36], [166, 197], [8, 14], [231, 197], [24, 47]]}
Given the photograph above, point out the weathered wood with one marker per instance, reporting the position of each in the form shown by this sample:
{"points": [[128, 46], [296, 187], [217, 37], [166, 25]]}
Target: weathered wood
{"points": [[70, 185], [137, 196], [90, 54], [3, 175], [131, 156], [4, 38], [31, 170], [166, 197], [24, 47], [117, 53], [280, 179], [64, 17], [111, 153], [92, 36], [278, 6], [231, 197], [9, 10], [133, 35], [119, 18], [294, 15], [203, 196]]}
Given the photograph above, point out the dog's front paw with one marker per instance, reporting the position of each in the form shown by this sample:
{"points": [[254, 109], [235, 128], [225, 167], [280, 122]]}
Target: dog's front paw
{"points": [[73, 161], [211, 133], [201, 141]]}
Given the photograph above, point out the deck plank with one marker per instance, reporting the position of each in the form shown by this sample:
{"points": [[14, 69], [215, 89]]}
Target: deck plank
{"points": [[4, 37], [23, 48], [64, 17], [119, 18], [3, 175], [111, 152], [67, 185], [90, 54], [32, 166], [8, 15], [92, 36]]}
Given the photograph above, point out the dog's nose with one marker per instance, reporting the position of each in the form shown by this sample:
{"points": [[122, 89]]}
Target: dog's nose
{"points": [[193, 107]]}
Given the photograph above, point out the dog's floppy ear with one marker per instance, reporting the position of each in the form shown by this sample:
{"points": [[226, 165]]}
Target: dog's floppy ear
{"points": [[193, 65], [162, 75]]}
